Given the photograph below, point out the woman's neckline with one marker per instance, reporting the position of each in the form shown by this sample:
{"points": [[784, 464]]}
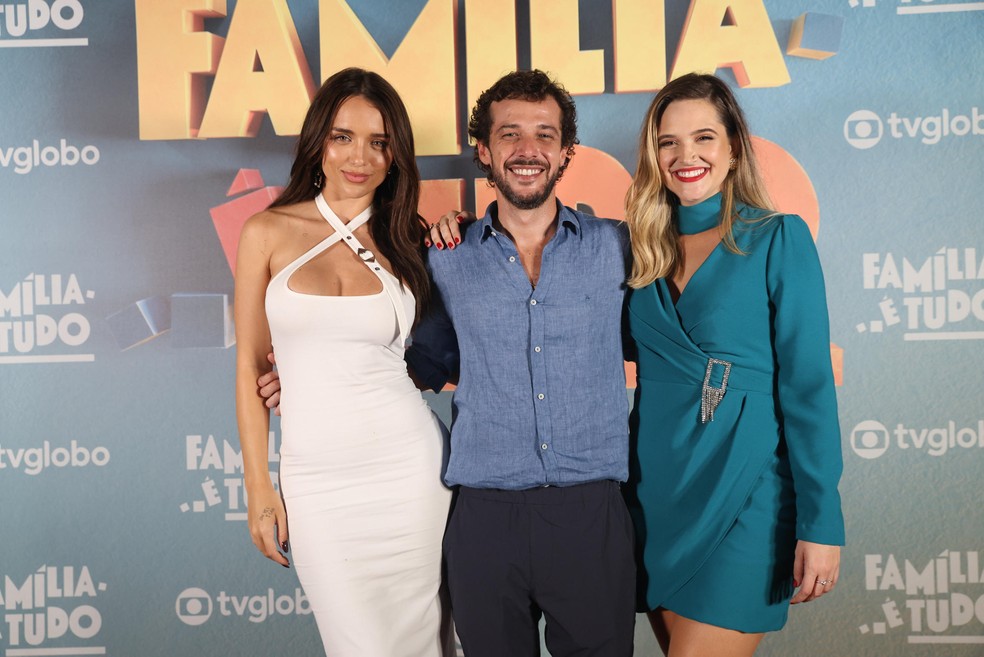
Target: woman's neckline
{"points": [[693, 219]]}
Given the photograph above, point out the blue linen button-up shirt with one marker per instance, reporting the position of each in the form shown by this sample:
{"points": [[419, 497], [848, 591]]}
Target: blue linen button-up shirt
{"points": [[541, 386]]}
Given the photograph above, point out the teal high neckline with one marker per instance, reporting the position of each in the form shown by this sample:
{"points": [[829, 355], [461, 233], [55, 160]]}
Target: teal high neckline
{"points": [[694, 219]]}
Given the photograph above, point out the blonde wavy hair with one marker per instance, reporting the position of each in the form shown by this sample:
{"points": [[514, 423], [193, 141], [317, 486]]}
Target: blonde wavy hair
{"points": [[649, 205]]}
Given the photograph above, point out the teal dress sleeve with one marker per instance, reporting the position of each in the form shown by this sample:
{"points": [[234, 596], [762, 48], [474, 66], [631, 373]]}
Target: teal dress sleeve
{"points": [[805, 393]]}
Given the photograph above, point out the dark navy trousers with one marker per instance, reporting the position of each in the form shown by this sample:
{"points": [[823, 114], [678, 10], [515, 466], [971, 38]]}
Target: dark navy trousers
{"points": [[562, 552]]}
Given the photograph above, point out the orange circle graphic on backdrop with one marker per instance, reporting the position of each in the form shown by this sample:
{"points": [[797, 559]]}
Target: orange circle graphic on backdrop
{"points": [[787, 183]]}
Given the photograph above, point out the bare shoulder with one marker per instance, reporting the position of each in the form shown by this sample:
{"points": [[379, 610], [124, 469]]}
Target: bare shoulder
{"points": [[274, 226]]}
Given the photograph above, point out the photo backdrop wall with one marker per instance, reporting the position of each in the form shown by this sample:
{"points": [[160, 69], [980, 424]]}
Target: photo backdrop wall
{"points": [[136, 137]]}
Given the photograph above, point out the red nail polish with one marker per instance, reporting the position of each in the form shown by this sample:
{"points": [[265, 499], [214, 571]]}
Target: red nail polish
{"points": [[451, 245], [458, 218], [795, 583], [439, 246], [457, 240]]}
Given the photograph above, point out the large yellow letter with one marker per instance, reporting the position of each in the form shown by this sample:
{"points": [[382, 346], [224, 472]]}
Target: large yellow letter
{"points": [[262, 70], [422, 69], [640, 45], [173, 56], [555, 47], [490, 44], [745, 42]]}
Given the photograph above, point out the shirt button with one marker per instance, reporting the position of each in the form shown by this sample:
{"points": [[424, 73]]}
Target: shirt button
{"points": [[540, 396], [543, 446], [532, 302], [512, 258], [536, 349]]}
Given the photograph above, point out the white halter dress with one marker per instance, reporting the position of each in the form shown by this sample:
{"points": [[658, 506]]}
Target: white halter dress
{"points": [[360, 463]]}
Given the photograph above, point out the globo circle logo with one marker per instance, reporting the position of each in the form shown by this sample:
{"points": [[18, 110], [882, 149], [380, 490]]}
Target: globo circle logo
{"points": [[863, 129], [193, 606], [869, 439]]}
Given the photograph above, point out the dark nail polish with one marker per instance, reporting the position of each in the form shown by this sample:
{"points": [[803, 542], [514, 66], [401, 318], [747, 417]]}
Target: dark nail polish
{"points": [[457, 240], [283, 546]]}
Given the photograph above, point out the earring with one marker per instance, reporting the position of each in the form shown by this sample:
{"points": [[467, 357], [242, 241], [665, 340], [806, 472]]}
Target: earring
{"points": [[318, 179], [732, 164]]}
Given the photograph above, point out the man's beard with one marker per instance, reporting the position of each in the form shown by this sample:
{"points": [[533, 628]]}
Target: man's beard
{"points": [[524, 202]]}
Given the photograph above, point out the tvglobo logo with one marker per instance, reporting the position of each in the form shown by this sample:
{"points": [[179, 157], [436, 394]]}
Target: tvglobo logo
{"points": [[35, 460], [25, 159], [194, 606], [870, 439], [864, 129]]}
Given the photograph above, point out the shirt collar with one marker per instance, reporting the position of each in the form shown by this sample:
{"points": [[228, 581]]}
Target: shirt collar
{"points": [[567, 218]]}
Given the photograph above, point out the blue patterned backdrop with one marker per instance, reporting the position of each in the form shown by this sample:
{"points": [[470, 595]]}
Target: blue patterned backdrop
{"points": [[137, 136]]}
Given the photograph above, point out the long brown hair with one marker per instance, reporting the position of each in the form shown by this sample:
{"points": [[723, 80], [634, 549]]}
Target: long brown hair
{"points": [[395, 227], [649, 205]]}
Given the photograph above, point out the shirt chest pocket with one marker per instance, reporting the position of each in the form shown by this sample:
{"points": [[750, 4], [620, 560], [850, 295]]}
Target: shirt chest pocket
{"points": [[581, 315]]}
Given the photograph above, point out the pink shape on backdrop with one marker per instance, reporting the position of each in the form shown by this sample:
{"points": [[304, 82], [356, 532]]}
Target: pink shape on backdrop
{"points": [[245, 180], [837, 362], [230, 217]]}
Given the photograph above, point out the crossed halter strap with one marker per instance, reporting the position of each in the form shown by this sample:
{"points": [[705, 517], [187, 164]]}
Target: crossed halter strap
{"points": [[344, 234]]}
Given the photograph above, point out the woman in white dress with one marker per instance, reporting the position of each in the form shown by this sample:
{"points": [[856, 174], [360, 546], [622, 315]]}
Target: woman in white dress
{"points": [[331, 276]]}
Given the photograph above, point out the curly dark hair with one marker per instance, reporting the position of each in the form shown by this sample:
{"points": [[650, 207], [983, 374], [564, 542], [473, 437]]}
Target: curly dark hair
{"points": [[533, 86]]}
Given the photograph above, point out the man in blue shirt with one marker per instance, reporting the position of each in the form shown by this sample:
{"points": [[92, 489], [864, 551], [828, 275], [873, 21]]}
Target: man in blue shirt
{"points": [[527, 317]]}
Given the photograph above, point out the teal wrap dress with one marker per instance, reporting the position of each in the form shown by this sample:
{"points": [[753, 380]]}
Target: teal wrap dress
{"points": [[719, 505]]}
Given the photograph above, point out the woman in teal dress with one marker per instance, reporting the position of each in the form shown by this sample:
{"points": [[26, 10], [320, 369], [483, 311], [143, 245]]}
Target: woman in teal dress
{"points": [[737, 451]]}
